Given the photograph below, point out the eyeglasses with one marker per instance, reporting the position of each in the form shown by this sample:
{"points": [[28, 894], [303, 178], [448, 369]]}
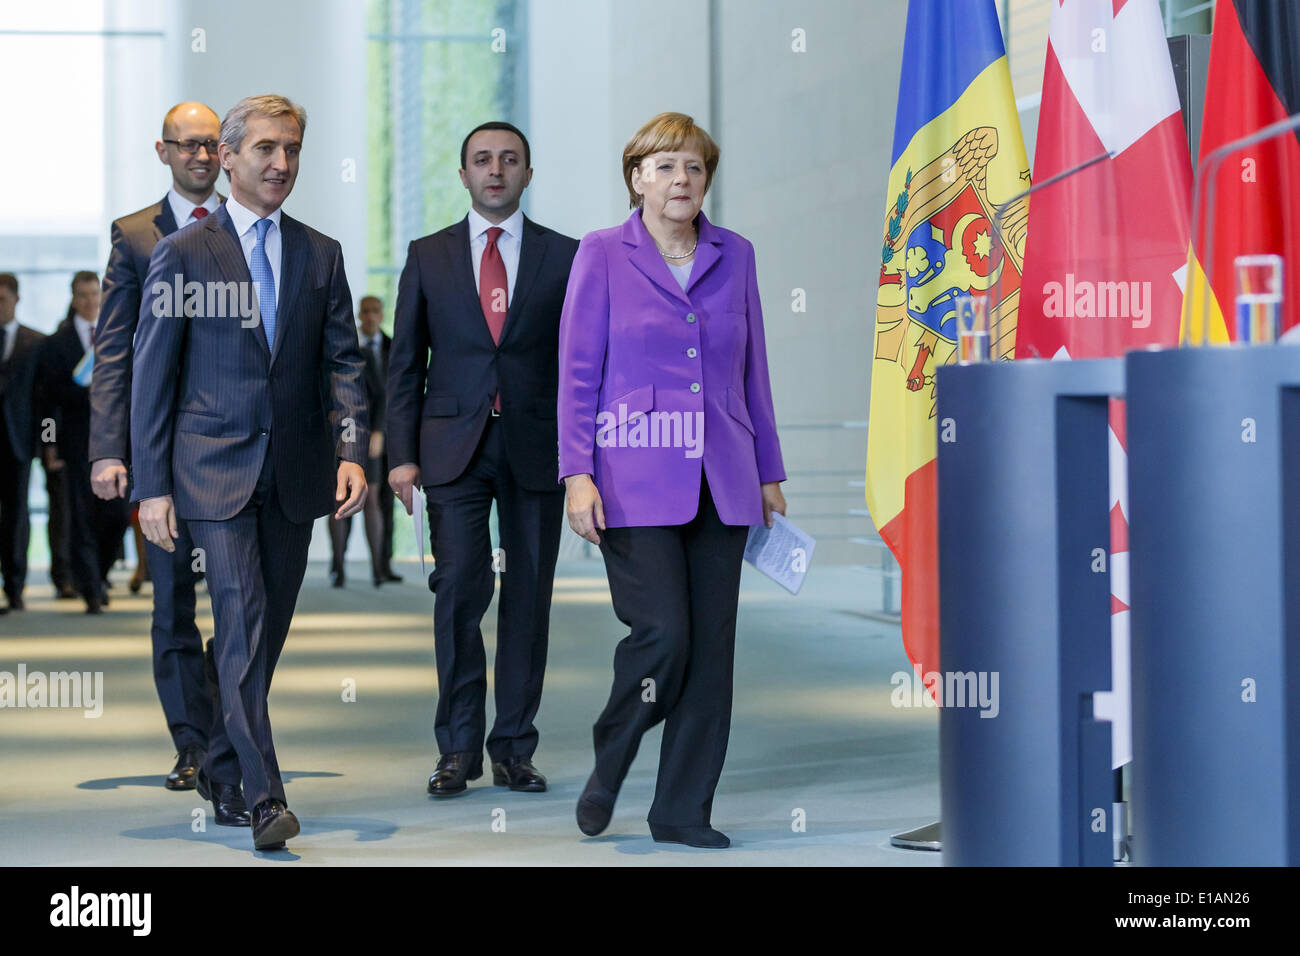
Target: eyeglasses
{"points": [[188, 147]]}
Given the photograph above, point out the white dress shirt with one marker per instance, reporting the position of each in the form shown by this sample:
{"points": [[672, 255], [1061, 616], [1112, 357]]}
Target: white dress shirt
{"points": [[183, 209], [244, 220], [11, 336], [508, 243], [84, 330]]}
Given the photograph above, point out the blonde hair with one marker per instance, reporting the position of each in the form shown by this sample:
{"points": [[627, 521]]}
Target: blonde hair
{"points": [[667, 133]]}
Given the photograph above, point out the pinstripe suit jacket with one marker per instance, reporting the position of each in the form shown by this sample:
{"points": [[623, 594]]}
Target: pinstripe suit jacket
{"points": [[208, 397]]}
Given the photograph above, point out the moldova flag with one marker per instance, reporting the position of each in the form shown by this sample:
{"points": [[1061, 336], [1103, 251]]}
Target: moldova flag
{"points": [[1253, 81], [958, 156]]}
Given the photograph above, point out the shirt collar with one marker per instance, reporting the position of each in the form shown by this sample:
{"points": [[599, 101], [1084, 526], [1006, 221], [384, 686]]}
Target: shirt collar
{"points": [[514, 226], [182, 208], [81, 324], [243, 218]]}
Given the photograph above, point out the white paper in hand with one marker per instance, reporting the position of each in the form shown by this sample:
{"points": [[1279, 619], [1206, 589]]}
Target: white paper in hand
{"points": [[419, 521], [782, 552]]}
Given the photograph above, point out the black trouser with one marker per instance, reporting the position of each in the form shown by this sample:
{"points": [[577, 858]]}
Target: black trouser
{"points": [[178, 670], [529, 523], [15, 526], [56, 526], [255, 564], [95, 528], [677, 588], [341, 531], [386, 514]]}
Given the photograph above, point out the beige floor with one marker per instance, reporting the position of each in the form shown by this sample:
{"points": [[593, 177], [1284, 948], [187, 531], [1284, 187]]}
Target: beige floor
{"points": [[814, 739]]}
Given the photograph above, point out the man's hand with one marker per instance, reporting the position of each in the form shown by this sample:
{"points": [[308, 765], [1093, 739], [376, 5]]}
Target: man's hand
{"points": [[351, 491], [376, 444], [773, 500], [585, 509], [158, 522], [402, 479], [108, 478]]}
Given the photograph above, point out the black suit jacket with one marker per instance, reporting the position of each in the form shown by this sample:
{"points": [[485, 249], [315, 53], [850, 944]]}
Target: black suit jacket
{"points": [[207, 394], [134, 238], [444, 368], [58, 396], [18, 402]]}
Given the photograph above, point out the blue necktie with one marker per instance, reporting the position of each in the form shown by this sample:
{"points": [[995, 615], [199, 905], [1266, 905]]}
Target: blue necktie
{"points": [[265, 279]]}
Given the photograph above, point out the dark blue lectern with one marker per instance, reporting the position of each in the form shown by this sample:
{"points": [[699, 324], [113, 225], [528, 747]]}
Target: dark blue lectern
{"points": [[1024, 593], [1214, 488]]}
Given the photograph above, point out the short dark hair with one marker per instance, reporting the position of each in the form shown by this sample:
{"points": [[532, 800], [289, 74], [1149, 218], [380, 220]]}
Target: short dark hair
{"points": [[497, 124], [85, 275], [9, 281]]}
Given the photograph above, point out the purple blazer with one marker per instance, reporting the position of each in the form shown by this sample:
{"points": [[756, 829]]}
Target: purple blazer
{"points": [[657, 383]]}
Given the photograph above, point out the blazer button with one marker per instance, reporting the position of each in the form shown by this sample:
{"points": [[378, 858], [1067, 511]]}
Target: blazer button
{"points": [[690, 317], [691, 353], [695, 386]]}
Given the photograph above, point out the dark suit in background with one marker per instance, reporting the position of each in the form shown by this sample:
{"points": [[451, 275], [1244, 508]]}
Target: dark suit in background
{"points": [[247, 439], [376, 477], [178, 670], [17, 447], [95, 526], [440, 417]]}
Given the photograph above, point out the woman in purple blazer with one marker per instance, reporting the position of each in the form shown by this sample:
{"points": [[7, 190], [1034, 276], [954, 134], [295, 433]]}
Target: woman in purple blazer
{"points": [[668, 452]]}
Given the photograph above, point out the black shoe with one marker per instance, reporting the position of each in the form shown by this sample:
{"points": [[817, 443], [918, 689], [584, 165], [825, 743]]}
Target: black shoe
{"points": [[706, 837], [336, 579], [228, 806], [65, 592], [518, 773], [390, 576], [94, 606], [16, 603], [595, 807], [273, 823], [379, 582], [183, 775], [449, 779]]}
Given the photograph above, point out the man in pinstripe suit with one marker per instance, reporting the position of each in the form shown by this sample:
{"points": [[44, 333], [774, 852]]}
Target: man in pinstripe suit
{"points": [[249, 426]]}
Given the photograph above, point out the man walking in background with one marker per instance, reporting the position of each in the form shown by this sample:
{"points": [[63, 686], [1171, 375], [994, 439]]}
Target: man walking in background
{"points": [[188, 148]]}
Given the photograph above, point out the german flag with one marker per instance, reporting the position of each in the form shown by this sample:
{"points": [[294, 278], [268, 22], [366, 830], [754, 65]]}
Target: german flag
{"points": [[1253, 81]]}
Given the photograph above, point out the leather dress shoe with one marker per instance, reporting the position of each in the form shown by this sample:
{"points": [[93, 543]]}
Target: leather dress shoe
{"points": [[16, 603], [273, 823], [187, 766], [449, 779], [94, 606], [706, 837], [390, 576], [336, 579], [518, 773], [228, 807], [595, 806], [65, 592]]}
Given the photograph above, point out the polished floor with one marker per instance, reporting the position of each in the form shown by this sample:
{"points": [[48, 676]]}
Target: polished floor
{"points": [[821, 767]]}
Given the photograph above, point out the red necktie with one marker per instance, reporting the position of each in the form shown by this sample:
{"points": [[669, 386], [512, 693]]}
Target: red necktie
{"points": [[199, 212], [492, 292]]}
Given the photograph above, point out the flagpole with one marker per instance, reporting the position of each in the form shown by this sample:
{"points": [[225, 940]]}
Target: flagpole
{"points": [[1209, 166], [1003, 207]]}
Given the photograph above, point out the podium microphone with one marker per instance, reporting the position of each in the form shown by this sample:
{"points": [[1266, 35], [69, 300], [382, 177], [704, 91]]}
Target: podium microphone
{"points": [[1209, 166], [1004, 207]]}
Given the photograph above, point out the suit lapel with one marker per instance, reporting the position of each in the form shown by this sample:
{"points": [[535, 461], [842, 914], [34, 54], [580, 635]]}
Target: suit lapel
{"points": [[462, 272], [706, 252], [293, 263], [164, 221], [223, 241], [644, 254], [532, 249]]}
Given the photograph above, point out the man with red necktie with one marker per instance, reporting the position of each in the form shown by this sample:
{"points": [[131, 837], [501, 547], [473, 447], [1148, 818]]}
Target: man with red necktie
{"points": [[472, 382]]}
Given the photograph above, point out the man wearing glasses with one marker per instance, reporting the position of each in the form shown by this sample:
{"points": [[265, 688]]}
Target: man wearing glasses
{"points": [[189, 149]]}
